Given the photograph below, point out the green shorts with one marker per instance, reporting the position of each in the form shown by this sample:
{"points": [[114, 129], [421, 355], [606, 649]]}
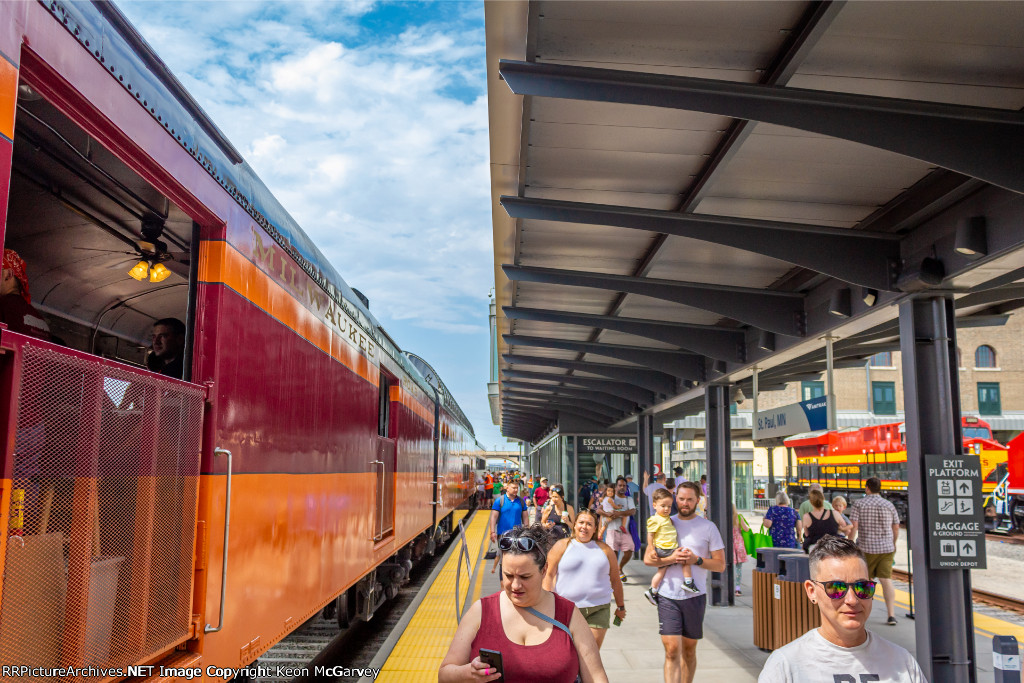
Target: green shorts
{"points": [[598, 616], [880, 565]]}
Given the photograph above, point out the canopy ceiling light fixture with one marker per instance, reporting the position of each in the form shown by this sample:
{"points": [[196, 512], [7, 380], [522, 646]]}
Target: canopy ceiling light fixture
{"points": [[869, 296], [971, 240], [839, 303], [157, 272]]}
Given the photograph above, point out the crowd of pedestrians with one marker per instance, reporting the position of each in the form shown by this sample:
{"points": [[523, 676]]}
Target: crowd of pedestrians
{"points": [[562, 575]]}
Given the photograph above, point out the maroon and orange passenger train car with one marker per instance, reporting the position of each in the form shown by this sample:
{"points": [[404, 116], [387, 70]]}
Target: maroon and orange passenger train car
{"points": [[303, 462]]}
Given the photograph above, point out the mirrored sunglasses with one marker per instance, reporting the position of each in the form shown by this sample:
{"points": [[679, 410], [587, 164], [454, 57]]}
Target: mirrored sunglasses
{"points": [[506, 543], [864, 590]]}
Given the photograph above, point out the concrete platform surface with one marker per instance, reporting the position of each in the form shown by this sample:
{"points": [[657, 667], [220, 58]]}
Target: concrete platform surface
{"points": [[633, 651]]}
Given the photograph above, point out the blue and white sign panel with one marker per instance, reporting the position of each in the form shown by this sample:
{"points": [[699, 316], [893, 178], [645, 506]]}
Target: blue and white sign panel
{"points": [[796, 418]]}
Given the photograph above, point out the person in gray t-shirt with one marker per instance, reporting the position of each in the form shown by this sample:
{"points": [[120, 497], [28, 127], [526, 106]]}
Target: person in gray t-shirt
{"points": [[842, 649]]}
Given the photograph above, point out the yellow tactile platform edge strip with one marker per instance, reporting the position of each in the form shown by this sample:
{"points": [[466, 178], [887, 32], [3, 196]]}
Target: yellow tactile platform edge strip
{"points": [[425, 642]]}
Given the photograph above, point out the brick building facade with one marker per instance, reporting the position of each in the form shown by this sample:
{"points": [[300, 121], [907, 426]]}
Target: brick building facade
{"points": [[991, 383]]}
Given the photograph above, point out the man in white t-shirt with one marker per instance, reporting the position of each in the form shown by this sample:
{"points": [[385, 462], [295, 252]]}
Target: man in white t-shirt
{"points": [[650, 487], [681, 611], [842, 649]]}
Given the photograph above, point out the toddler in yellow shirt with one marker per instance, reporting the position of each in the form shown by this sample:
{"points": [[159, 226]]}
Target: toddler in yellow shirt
{"points": [[665, 540]]}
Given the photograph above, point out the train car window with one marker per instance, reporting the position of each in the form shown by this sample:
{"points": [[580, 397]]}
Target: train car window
{"points": [[106, 254], [384, 404]]}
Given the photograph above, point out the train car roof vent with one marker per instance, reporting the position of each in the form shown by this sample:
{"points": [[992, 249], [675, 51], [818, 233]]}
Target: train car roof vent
{"points": [[362, 297]]}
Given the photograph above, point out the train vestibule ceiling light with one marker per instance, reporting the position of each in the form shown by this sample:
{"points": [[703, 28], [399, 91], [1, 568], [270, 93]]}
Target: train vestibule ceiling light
{"points": [[158, 273], [140, 271]]}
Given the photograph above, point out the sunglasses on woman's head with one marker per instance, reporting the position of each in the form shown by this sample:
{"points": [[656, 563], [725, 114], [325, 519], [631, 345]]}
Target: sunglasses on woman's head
{"points": [[525, 544], [864, 590]]}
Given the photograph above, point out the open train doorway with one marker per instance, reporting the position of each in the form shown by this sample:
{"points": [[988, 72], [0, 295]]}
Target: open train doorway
{"points": [[106, 255], [102, 436]]}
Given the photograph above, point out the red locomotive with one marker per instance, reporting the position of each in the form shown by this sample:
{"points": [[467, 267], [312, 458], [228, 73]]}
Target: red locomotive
{"points": [[1004, 507], [303, 461], [841, 461]]}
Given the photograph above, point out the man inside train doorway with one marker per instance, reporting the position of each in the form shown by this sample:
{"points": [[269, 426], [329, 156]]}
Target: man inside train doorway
{"points": [[168, 354]]}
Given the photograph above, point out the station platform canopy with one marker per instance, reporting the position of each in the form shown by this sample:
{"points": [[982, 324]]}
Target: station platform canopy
{"points": [[683, 191]]}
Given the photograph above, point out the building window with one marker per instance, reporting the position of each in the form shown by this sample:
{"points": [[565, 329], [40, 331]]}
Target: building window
{"points": [[985, 357], [733, 408], [881, 360], [809, 390], [883, 398], [988, 398]]}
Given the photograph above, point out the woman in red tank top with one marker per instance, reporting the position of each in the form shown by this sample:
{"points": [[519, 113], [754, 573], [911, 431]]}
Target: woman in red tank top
{"points": [[532, 650]]}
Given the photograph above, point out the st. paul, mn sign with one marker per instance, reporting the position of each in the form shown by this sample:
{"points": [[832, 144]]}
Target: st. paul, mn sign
{"points": [[796, 418]]}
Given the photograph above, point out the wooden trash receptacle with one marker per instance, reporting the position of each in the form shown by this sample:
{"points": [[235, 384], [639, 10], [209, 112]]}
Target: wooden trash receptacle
{"points": [[794, 614], [764, 581]]}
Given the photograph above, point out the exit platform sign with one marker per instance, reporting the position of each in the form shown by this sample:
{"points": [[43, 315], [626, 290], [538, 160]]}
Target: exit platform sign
{"points": [[956, 520]]}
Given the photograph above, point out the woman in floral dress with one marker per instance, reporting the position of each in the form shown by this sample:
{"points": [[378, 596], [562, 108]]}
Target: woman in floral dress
{"points": [[783, 523]]}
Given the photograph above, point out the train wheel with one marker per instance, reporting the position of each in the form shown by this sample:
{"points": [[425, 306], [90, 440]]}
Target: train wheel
{"points": [[1017, 514], [341, 608]]}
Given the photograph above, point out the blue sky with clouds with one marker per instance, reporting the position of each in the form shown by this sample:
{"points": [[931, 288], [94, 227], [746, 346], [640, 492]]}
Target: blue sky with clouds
{"points": [[368, 121]]}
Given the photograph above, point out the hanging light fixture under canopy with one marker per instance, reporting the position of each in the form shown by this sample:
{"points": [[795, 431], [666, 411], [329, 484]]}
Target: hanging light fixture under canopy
{"points": [[839, 303]]}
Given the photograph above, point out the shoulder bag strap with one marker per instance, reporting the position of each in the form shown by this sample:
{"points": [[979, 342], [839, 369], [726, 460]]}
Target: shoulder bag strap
{"points": [[553, 622], [558, 624]]}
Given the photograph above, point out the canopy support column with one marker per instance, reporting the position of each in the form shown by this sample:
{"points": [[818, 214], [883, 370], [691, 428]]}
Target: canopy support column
{"points": [[942, 597], [645, 444], [719, 454]]}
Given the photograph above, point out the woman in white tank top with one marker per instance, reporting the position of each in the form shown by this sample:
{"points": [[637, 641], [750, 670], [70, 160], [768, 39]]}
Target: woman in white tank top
{"points": [[586, 571]]}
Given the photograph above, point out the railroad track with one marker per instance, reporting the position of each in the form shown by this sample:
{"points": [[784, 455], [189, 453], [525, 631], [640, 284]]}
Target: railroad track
{"points": [[1011, 539], [978, 595]]}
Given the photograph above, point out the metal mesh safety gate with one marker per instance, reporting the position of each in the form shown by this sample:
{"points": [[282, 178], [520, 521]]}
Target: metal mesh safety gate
{"points": [[101, 530]]}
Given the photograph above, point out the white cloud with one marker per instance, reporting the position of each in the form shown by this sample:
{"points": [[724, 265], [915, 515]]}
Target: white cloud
{"points": [[374, 139], [268, 146]]}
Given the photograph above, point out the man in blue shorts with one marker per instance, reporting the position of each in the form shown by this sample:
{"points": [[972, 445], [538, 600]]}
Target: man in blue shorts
{"points": [[681, 612]]}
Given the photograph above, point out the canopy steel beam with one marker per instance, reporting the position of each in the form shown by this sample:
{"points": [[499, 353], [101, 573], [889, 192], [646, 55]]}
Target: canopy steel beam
{"points": [[715, 342], [976, 141], [631, 391], [609, 400], [779, 312], [562, 407], [675, 363], [869, 259], [652, 380], [594, 406]]}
